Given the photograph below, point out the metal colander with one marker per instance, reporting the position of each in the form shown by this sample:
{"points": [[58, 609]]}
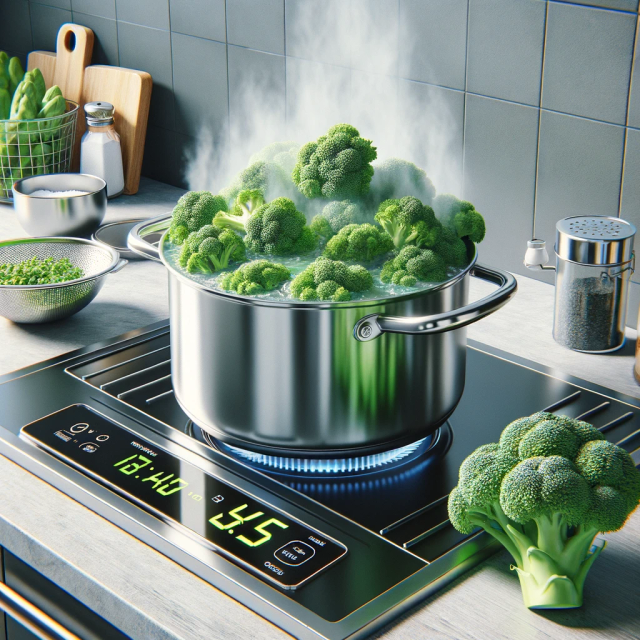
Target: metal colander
{"points": [[49, 302]]}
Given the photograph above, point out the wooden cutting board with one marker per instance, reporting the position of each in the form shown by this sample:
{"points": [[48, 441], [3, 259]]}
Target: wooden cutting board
{"points": [[129, 91], [74, 48]]}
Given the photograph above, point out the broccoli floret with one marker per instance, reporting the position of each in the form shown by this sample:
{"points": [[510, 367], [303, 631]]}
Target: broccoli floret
{"points": [[336, 166], [395, 178], [406, 220], [460, 216], [413, 264], [284, 154], [267, 177], [358, 242], [210, 249], [278, 228], [451, 249], [327, 279], [335, 216], [194, 210], [544, 491], [245, 204], [255, 277]]}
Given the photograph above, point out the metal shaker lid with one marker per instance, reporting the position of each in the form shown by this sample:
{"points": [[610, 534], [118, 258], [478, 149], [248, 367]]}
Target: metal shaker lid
{"points": [[595, 240], [99, 113]]}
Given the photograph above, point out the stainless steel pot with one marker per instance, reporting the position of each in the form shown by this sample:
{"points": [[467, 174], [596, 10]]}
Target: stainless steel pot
{"points": [[320, 379]]}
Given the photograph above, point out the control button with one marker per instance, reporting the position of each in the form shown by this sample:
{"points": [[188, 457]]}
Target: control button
{"points": [[89, 447], [295, 553], [62, 435], [79, 428], [102, 438], [218, 498]]}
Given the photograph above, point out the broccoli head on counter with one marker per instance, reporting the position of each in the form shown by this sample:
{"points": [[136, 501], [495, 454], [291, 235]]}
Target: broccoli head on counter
{"points": [[359, 243], [278, 228], [210, 249], [544, 491], [327, 279], [256, 277], [336, 166], [194, 210]]}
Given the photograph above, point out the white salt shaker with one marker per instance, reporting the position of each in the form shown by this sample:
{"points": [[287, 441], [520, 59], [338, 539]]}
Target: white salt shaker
{"points": [[100, 152]]}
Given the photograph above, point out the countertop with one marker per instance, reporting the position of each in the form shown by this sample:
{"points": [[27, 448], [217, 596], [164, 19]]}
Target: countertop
{"points": [[148, 596]]}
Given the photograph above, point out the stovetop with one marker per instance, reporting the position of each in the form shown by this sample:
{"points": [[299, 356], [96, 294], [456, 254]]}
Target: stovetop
{"points": [[392, 524]]}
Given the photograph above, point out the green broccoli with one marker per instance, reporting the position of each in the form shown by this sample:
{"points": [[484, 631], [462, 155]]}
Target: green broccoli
{"points": [[460, 216], [278, 228], [336, 166], [327, 279], [267, 177], [451, 249], [254, 278], [335, 215], [406, 220], [544, 491], [358, 242], [194, 210], [246, 202], [413, 264], [284, 154], [395, 178], [210, 249]]}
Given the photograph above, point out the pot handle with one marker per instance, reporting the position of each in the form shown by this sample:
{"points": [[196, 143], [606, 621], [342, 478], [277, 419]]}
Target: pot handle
{"points": [[371, 326], [136, 238]]}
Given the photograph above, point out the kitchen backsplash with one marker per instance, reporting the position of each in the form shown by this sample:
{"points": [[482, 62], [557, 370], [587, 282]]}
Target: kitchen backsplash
{"points": [[545, 113]]}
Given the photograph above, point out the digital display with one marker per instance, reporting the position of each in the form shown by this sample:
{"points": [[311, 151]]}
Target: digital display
{"points": [[250, 532]]}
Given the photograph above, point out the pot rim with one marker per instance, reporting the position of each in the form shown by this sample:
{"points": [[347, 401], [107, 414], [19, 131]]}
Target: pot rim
{"points": [[303, 304]]}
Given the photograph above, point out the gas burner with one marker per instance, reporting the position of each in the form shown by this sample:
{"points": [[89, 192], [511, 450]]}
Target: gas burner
{"points": [[319, 467]]}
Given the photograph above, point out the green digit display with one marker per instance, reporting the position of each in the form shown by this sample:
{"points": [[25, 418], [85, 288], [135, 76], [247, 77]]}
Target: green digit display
{"points": [[261, 528], [237, 518], [156, 479], [132, 467], [163, 489], [117, 464]]}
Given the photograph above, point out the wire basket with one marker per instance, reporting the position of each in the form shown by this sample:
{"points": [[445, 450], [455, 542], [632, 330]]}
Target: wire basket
{"points": [[36, 147]]}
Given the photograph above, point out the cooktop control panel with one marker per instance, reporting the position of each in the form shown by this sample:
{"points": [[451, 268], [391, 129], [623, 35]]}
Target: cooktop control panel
{"points": [[253, 534]]}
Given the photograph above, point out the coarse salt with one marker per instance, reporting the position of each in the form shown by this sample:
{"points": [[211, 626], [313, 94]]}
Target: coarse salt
{"points": [[46, 193]]}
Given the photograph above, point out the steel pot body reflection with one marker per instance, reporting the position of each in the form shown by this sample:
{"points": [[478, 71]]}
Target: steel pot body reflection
{"points": [[320, 379]]}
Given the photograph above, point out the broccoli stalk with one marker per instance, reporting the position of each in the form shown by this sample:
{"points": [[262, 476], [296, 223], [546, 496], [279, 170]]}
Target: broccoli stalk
{"points": [[544, 492], [246, 202]]}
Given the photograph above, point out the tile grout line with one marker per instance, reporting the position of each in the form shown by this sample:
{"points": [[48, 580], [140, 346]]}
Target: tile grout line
{"points": [[226, 45], [115, 9], [464, 100], [626, 130], [535, 187], [284, 39]]}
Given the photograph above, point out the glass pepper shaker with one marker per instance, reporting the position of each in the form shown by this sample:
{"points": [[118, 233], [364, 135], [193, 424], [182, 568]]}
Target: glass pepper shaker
{"points": [[594, 263], [100, 152]]}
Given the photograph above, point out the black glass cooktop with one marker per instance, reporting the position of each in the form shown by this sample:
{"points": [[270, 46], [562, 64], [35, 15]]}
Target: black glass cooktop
{"points": [[358, 549]]}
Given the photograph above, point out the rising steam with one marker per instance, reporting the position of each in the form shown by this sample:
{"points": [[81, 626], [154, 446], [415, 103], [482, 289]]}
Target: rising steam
{"points": [[404, 119]]}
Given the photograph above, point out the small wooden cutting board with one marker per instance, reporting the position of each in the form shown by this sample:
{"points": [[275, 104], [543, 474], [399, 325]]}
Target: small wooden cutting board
{"points": [[129, 91]]}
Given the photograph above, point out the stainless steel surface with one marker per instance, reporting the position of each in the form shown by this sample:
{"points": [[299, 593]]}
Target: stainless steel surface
{"points": [[49, 302], [373, 326], [34, 147], [78, 215], [143, 239], [99, 114], [296, 380], [115, 234], [30, 617], [596, 240]]}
